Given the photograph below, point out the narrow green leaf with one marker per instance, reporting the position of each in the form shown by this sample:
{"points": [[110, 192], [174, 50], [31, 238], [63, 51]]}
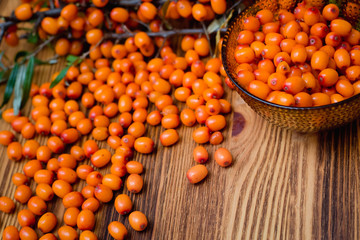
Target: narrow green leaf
{"points": [[18, 91], [4, 75], [216, 24], [70, 59], [165, 7], [28, 80], [20, 54], [59, 77], [10, 85], [33, 38]]}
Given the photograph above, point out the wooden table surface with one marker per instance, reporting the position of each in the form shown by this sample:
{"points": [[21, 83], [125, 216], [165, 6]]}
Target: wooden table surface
{"points": [[282, 185]]}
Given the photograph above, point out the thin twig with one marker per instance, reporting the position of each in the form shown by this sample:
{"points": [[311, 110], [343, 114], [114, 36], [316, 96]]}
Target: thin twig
{"points": [[162, 45], [51, 2], [207, 36]]}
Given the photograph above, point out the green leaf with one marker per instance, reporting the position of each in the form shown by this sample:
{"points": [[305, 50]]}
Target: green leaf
{"points": [[165, 7], [19, 90], [70, 59], [216, 24], [10, 85], [59, 77], [28, 80], [33, 38], [20, 54]]}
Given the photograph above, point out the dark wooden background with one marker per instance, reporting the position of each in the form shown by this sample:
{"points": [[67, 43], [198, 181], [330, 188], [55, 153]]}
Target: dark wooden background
{"points": [[282, 185]]}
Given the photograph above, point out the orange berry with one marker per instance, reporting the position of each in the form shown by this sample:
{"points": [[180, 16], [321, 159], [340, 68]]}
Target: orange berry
{"points": [[197, 173]]}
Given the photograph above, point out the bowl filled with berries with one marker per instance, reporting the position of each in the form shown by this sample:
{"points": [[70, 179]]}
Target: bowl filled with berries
{"points": [[297, 64]]}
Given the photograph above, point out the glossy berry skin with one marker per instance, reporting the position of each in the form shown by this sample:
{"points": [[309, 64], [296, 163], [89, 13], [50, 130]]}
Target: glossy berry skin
{"points": [[200, 155], [117, 230], [138, 221], [223, 157], [123, 204], [197, 173], [47, 222]]}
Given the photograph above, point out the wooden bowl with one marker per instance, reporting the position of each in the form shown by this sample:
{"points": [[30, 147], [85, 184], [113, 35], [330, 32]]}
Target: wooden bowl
{"points": [[305, 119]]}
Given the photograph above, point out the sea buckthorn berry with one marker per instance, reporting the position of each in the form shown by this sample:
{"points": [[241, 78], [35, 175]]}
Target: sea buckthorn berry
{"points": [[201, 135], [117, 230], [31, 167], [67, 233], [291, 29], [251, 23], [344, 87], [86, 220], [120, 15], [100, 133], [78, 153], [70, 216], [340, 27], [123, 204], [44, 176], [10, 233], [44, 191], [216, 122], [37, 205], [216, 138], [169, 137], [276, 81], [100, 158], [103, 193], [8, 115], [320, 99], [334, 98], [330, 12], [91, 204], [355, 57], [50, 25], [84, 126], [213, 107], [23, 12], [223, 157], [200, 154], [6, 205], [69, 135], [6, 137], [134, 167], [66, 174], [53, 165], [26, 218], [342, 59], [285, 17], [328, 77], [245, 55], [18, 123], [197, 173], [69, 12], [61, 188], [19, 179], [138, 221], [319, 60], [264, 16], [353, 73], [144, 145], [134, 183], [259, 89], [48, 236], [311, 16], [27, 233], [112, 181], [188, 117], [333, 39], [47, 222], [294, 85], [73, 199], [353, 37]]}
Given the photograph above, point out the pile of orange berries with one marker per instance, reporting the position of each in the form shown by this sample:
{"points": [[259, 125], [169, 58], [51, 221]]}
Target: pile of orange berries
{"points": [[305, 58], [110, 97]]}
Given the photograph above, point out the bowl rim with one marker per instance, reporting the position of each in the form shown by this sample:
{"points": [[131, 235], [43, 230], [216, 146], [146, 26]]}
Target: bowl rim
{"points": [[227, 70]]}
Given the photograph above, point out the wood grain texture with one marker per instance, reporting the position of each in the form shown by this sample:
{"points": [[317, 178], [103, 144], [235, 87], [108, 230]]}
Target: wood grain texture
{"points": [[282, 185]]}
